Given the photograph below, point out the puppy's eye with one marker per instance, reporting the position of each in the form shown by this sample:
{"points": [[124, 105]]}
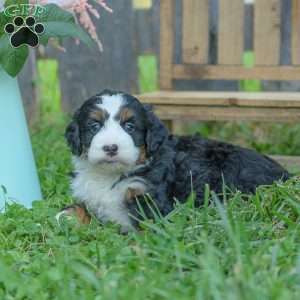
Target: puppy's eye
{"points": [[95, 126], [129, 126]]}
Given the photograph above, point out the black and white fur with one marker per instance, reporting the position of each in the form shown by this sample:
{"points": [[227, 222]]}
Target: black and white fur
{"points": [[119, 145]]}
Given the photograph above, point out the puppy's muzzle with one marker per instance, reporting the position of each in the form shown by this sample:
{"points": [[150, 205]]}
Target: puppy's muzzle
{"points": [[111, 150]]}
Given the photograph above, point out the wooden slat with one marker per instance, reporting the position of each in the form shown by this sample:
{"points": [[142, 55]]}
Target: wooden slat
{"points": [[195, 31], [223, 113], [236, 72], [197, 98], [296, 32], [166, 42], [231, 32], [267, 32]]}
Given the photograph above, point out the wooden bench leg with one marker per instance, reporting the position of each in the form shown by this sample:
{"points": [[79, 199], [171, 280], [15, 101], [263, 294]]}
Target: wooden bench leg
{"points": [[175, 126], [178, 127], [169, 124]]}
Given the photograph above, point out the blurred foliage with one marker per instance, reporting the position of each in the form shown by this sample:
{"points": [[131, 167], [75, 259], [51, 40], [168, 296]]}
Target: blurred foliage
{"points": [[249, 85], [48, 86], [147, 66]]}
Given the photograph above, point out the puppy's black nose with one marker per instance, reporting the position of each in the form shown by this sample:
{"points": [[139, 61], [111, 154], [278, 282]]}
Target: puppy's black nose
{"points": [[111, 150]]}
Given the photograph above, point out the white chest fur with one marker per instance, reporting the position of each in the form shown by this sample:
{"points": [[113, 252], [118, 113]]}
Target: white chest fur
{"points": [[93, 187]]}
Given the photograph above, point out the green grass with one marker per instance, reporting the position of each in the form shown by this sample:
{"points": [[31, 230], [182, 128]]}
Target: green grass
{"points": [[247, 249]]}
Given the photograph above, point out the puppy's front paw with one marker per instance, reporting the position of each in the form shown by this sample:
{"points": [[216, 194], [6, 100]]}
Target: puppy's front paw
{"points": [[77, 211], [132, 194]]}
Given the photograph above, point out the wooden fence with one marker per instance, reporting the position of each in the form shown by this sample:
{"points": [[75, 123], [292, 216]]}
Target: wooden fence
{"points": [[129, 33]]}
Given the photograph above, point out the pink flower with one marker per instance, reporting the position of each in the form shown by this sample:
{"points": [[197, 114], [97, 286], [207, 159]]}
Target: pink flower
{"points": [[82, 11]]}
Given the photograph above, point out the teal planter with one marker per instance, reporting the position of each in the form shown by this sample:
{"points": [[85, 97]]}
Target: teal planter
{"points": [[17, 167]]}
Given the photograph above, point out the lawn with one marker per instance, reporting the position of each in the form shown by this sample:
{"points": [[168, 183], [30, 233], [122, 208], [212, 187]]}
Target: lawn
{"points": [[245, 249]]}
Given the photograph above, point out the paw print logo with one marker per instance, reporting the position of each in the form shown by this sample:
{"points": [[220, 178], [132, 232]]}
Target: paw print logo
{"points": [[24, 32]]}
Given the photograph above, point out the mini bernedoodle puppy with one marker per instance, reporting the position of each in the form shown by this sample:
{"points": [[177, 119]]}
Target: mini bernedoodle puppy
{"points": [[122, 151]]}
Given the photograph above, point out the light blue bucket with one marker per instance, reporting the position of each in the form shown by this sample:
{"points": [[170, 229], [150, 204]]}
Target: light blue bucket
{"points": [[17, 167]]}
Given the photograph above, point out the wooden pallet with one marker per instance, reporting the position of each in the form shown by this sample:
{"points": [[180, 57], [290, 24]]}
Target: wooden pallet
{"points": [[174, 106], [225, 106]]}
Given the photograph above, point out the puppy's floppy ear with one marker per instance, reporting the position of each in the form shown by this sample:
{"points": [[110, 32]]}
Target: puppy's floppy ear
{"points": [[73, 137], [156, 131]]}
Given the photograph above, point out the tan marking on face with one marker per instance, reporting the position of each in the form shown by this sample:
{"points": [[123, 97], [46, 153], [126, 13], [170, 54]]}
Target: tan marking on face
{"points": [[125, 114], [98, 115], [142, 156]]}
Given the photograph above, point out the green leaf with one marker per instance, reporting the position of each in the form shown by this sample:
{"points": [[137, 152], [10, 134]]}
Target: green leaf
{"points": [[13, 2], [60, 23], [55, 13], [3, 21], [64, 29], [12, 59]]}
